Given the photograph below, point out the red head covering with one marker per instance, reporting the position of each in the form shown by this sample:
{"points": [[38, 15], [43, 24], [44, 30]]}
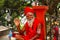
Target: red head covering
{"points": [[28, 9]]}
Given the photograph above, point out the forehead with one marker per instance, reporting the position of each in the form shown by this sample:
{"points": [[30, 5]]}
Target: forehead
{"points": [[29, 13]]}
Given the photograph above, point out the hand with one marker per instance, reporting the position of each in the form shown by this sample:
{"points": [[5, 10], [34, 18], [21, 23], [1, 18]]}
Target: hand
{"points": [[17, 21], [19, 37], [37, 39], [53, 31]]}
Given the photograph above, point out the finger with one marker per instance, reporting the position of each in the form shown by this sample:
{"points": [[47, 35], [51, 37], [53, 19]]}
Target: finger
{"points": [[16, 19]]}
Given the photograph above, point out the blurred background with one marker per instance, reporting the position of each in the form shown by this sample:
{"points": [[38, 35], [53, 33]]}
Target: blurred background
{"points": [[9, 9]]}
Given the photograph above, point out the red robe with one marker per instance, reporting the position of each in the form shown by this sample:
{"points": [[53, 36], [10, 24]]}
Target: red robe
{"points": [[31, 32]]}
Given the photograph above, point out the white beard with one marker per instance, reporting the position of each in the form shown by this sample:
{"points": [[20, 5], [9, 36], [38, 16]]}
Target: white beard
{"points": [[30, 22]]}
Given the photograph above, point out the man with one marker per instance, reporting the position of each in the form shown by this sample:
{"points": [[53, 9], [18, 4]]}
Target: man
{"points": [[32, 28], [55, 31]]}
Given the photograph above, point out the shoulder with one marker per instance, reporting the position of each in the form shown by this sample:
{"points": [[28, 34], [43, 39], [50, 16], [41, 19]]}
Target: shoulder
{"points": [[36, 20]]}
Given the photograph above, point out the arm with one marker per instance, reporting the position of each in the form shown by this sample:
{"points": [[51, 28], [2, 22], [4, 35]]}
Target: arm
{"points": [[39, 29], [37, 32], [20, 31], [17, 23]]}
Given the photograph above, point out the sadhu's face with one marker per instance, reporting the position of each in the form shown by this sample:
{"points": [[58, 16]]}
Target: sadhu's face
{"points": [[29, 16]]}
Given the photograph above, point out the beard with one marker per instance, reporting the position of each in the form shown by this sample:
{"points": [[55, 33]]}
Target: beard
{"points": [[30, 22]]}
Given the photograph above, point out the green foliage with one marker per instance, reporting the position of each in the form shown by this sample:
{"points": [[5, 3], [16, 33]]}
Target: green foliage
{"points": [[1, 3], [12, 4], [58, 6], [16, 7]]}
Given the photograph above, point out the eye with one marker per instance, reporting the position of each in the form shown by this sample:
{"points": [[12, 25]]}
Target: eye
{"points": [[30, 15], [27, 16]]}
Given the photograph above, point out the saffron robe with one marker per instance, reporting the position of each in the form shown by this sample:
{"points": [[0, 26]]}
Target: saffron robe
{"points": [[31, 31]]}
